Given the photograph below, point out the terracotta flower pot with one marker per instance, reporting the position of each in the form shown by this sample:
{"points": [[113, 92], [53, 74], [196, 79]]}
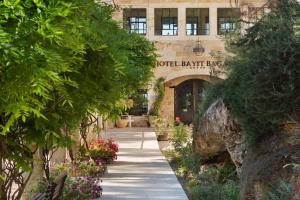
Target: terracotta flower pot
{"points": [[122, 123], [151, 120], [164, 136]]}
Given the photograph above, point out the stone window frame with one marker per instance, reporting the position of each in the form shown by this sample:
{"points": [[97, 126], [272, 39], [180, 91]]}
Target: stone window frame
{"points": [[134, 22], [171, 25], [200, 30], [230, 21]]}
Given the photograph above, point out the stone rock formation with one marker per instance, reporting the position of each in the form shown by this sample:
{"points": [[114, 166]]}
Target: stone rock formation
{"points": [[272, 161], [261, 168], [219, 132]]}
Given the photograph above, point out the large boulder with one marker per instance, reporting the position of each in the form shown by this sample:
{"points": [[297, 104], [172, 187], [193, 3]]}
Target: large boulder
{"points": [[273, 165], [218, 132]]}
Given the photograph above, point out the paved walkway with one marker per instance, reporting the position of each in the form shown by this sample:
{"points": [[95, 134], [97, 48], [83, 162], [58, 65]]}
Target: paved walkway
{"points": [[141, 171]]}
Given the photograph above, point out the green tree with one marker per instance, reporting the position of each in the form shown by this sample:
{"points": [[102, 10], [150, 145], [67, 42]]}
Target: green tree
{"points": [[60, 60], [263, 84]]}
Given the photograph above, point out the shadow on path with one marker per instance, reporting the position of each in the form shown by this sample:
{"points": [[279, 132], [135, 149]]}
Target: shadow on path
{"points": [[141, 171]]}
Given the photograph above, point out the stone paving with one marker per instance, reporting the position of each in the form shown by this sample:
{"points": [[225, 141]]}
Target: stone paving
{"points": [[141, 171]]}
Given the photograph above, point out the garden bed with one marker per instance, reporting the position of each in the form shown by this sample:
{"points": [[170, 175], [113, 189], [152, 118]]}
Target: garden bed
{"points": [[199, 180], [84, 172]]}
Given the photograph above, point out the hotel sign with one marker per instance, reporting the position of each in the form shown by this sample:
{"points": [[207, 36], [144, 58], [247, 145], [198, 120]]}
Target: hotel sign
{"points": [[190, 63]]}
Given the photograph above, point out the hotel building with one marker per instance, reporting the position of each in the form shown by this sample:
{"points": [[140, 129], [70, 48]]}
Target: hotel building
{"points": [[187, 35]]}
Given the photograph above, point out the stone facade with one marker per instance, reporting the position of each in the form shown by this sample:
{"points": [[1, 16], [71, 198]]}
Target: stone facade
{"points": [[177, 61]]}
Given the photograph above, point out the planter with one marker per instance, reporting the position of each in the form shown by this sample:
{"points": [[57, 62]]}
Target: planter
{"points": [[164, 136], [151, 120], [122, 123]]}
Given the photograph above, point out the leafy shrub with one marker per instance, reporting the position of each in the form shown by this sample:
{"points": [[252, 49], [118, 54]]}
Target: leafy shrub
{"points": [[40, 187], [215, 191], [279, 191], [161, 124], [58, 168], [179, 136], [216, 183], [186, 161]]}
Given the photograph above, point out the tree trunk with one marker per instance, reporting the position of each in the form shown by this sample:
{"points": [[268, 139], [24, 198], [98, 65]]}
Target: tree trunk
{"points": [[46, 162], [36, 174], [2, 178]]}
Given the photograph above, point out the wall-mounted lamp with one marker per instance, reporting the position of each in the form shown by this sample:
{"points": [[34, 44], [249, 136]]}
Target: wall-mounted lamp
{"points": [[199, 49]]}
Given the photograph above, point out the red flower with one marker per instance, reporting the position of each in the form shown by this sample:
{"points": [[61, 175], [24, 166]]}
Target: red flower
{"points": [[103, 150]]}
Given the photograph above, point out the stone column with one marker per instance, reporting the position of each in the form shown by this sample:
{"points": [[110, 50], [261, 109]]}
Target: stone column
{"points": [[150, 23], [245, 17], [213, 21], [181, 21]]}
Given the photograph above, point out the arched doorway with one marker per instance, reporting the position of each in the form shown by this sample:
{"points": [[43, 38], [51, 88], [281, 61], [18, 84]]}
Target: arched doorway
{"points": [[188, 95]]}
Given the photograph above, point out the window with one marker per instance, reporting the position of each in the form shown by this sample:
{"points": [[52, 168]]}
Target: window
{"points": [[197, 21], [227, 19], [166, 21], [135, 20]]}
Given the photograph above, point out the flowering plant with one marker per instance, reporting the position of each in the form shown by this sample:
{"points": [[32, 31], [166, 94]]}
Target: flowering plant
{"points": [[103, 150], [79, 188], [58, 168], [81, 168], [82, 188], [92, 168]]}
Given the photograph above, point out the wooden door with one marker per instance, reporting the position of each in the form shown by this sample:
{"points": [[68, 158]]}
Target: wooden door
{"points": [[188, 95]]}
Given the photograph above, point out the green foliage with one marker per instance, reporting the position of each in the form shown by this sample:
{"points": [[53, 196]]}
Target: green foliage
{"points": [[279, 191], [263, 86], [60, 60], [41, 186], [161, 125], [160, 91], [179, 136], [63, 59], [212, 183], [140, 103], [186, 160], [216, 183], [213, 191]]}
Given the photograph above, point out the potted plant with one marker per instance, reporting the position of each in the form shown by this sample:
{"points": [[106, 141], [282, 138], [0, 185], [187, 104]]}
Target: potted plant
{"points": [[122, 122], [162, 128]]}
